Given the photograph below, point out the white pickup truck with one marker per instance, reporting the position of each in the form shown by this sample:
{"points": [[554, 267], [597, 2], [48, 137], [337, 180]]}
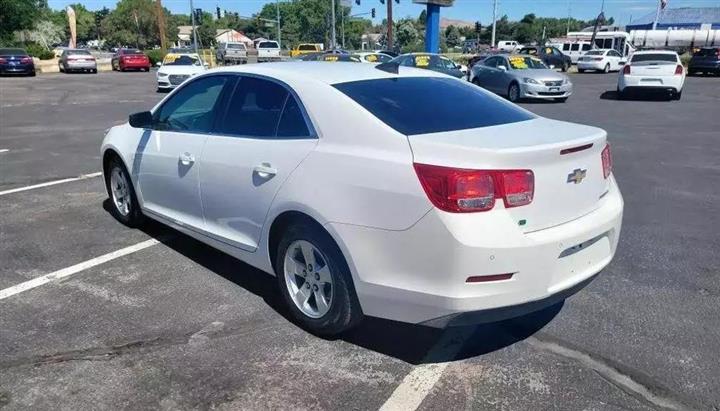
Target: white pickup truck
{"points": [[268, 51], [232, 53]]}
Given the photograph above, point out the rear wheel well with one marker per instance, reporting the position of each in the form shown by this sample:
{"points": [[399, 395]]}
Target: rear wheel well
{"points": [[280, 225]]}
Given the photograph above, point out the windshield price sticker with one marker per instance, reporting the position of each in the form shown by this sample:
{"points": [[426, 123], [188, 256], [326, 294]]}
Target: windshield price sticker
{"points": [[422, 61], [170, 58], [331, 58], [371, 58], [518, 63]]}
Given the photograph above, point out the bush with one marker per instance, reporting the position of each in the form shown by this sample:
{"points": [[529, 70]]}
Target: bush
{"points": [[36, 50], [155, 55]]}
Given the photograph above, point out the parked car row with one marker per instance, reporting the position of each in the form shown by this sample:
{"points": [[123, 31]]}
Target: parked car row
{"points": [[16, 61]]}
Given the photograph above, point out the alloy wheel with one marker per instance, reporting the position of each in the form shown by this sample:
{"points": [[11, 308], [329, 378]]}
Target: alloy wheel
{"points": [[308, 279], [514, 93], [120, 191]]}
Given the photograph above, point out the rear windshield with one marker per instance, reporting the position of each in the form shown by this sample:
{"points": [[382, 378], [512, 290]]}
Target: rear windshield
{"points": [[595, 53], [708, 52], [267, 45], [306, 47], [654, 57], [132, 51], [12, 52], [410, 104], [236, 46], [75, 52]]}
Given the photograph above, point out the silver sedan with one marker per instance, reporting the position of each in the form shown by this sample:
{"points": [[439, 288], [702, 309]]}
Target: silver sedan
{"points": [[521, 76], [77, 60]]}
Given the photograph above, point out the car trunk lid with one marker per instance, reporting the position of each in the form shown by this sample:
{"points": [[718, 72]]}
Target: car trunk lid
{"points": [[565, 159]]}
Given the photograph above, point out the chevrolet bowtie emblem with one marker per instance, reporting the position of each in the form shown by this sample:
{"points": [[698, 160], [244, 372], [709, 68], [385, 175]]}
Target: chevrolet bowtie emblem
{"points": [[576, 176]]}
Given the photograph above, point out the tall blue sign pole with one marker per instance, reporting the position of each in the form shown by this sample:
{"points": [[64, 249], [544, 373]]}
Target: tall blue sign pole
{"points": [[432, 24]]}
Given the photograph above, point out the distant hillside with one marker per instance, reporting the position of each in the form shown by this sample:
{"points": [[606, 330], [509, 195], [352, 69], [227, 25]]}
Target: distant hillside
{"points": [[457, 23]]}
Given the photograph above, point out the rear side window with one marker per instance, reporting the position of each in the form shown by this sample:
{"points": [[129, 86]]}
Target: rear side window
{"points": [[654, 57], [406, 104], [566, 46], [263, 109], [267, 45]]}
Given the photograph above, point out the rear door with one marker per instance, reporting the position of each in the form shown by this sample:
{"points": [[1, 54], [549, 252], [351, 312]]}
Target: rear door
{"points": [[262, 136], [166, 163]]}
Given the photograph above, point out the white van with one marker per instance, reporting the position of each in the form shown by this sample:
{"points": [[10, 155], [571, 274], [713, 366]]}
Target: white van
{"points": [[574, 49], [509, 45]]}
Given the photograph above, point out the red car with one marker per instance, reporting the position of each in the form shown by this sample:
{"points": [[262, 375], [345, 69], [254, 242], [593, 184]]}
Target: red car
{"points": [[126, 59]]}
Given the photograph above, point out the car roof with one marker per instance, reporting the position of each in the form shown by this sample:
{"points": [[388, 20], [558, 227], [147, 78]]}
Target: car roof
{"points": [[655, 52], [324, 72]]}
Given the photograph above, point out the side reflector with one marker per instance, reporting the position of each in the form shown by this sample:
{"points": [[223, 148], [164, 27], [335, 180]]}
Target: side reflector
{"points": [[488, 278]]}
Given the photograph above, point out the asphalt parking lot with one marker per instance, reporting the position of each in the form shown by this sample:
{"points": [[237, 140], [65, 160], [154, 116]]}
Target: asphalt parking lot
{"points": [[174, 324]]}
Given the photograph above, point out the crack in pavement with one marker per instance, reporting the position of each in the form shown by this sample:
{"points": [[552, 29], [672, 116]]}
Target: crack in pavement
{"points": [[631, 382], [214, 330]]}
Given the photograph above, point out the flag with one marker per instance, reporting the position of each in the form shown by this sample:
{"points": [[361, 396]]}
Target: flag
{"points": [[663, 4], [72, 43]]}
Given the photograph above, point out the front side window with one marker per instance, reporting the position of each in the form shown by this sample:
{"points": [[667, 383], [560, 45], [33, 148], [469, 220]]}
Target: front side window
{"points": [[491, 62], [406, 104], [263, 109], [192, 108]]}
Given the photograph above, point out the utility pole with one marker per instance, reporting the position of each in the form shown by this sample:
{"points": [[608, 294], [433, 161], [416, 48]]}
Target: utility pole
{"points": [[194, 31], [657, 14], [161, 23], [568, 19], [389, 24], [277, 10], [333, 42], [492, 42], [342, 24]]}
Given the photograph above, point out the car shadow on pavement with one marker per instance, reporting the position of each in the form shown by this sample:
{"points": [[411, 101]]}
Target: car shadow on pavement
{"points": [[646, 96], [407, 342]]}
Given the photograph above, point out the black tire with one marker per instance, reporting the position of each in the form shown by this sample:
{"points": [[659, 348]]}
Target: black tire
{"points": [[677, 95], [60, 67], [134, 218], [620, 94], [33, 73], [565, 67], [512, 96], [607, 68], [581, 70], [344, 312], [692, 73], [94, 71], [561, 99]]}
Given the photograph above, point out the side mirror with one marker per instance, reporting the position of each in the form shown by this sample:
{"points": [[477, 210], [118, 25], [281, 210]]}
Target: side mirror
{"points": [[502, 68], [552, 66], [206, 64], [622, 62], [158, 64], [142, 119]]}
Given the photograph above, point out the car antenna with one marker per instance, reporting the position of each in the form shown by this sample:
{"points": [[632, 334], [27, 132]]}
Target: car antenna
{"points": [[389, 67]]}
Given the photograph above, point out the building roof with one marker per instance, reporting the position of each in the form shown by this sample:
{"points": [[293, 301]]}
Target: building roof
{"points": [[679, 17]]}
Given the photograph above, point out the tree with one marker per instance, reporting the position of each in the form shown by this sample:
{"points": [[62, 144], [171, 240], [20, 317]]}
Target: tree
{"points": [[17, 15], [46, 33], [452, 36], [134, 22], [407, 35]]}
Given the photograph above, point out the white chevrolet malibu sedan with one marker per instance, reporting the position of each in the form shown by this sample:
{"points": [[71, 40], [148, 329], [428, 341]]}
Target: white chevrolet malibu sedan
{"points": [[366, 193]]}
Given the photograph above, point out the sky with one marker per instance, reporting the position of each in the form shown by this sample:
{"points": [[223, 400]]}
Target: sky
{"points": [[470, 10]]}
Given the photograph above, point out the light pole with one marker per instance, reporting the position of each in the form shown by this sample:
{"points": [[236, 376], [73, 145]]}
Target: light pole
{"points": [[492, 42], [333, 40], [192, 14], [277, 10]]}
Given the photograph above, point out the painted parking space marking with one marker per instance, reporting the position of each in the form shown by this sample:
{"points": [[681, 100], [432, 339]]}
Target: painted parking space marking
{"points": [[50, 183], [4, 150], [66, 272], [419, 382]]}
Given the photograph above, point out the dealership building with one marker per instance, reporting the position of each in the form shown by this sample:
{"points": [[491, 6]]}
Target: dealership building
{"points": [[688, 18]]}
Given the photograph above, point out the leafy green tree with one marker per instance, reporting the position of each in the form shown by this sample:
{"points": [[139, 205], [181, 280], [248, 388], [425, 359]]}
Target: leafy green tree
{"points": [[46, 33], [452, 36], [134, 23], [407, 35], [17, 15]]}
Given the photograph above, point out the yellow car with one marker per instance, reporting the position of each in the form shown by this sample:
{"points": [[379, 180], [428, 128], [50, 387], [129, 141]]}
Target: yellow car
{"points": [[304, 48]]}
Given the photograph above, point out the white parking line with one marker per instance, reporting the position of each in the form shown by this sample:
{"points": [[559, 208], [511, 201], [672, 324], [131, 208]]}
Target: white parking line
{"points": [[4, 150], [417, 384], [66, 272], [50, 183]]}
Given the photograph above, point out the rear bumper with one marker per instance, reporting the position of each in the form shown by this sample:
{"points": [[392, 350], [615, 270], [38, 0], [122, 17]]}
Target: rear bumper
{"points": [[135, 65], [670, 83], [85, 65], [419, 275], [17, 68], [590, 65], [544, 92]]}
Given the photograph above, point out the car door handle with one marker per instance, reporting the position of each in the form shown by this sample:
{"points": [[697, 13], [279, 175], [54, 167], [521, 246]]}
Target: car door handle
{"points": [[187, 159], [265, 170]]}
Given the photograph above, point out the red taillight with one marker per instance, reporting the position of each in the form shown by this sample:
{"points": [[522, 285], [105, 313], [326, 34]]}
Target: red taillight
{"points": [[606, 161], [678, 70], [458, 190], [626, 69], [2, 60], [26, 60]]}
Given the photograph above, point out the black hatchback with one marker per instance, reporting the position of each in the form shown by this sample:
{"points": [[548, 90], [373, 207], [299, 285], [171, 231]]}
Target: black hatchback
{"points": [[706, 60], [16, 61]]}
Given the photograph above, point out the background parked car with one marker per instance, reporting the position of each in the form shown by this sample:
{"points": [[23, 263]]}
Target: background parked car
{"points": [[429, 61], [268, 50], [520, 76], [232, 52], [706, 60], [16, 61], [305, 48], [652, 70], [125, 59], [600, 60], [374, 58], [77, 60], [509, 45], [177, 68], [551, 56]]}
